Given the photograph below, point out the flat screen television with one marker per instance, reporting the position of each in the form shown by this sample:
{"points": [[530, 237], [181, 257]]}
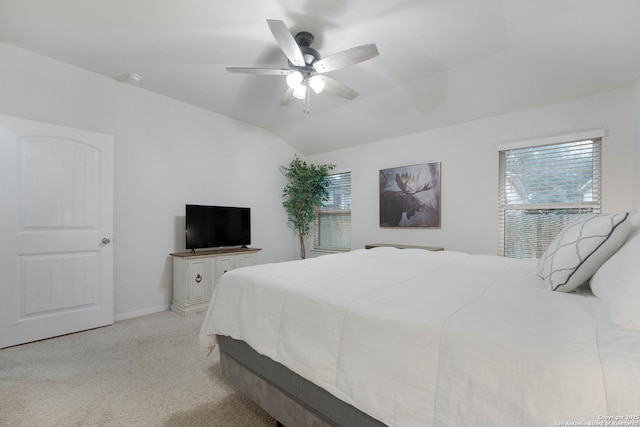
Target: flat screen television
{"points": [[217, 226]]}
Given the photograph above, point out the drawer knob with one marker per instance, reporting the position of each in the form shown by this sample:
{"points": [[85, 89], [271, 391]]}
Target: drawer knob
{"points": [[198, 278]]}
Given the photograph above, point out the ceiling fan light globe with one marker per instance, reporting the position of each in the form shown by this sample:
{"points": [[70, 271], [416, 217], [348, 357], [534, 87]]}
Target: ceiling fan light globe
{"points": [[294, 79], [300, 92], [317, 84]]}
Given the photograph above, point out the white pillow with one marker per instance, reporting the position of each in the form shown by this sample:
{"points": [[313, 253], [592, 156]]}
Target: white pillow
{"points": [[617, 284], [582, 246]]}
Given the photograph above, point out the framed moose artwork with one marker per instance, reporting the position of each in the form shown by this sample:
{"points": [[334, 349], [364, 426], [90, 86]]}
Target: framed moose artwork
{"points": [[410, 196]]}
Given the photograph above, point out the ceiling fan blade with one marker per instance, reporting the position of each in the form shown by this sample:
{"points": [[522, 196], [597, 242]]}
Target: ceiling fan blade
{"points": [[287, 98], [265, 71], [346, 58], [286, 42], [339, 89]]}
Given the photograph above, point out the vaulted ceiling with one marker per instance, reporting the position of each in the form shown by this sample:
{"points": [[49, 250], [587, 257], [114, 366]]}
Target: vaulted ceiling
{"points": [[441, 61]]}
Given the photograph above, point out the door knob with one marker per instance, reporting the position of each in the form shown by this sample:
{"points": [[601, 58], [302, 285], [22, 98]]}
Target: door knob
{"points": [[106, 240]]}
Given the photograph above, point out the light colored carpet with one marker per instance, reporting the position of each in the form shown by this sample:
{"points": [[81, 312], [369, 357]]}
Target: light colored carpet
{"points": [[146, 371]]}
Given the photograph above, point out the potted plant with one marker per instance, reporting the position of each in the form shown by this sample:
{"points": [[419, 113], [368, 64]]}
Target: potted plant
{"points": [[305, 191]]}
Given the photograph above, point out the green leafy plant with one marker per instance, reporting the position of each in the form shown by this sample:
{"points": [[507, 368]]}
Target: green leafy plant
{"points": [[305, 191]]}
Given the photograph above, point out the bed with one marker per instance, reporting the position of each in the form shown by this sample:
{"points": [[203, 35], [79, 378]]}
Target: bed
{"points": [[409, 337]]}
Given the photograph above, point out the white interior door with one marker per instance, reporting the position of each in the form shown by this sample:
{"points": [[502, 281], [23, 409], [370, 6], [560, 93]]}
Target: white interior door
{"points": [[56, 225]]}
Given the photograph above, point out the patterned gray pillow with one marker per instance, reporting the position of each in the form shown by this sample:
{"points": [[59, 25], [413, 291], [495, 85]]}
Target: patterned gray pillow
{"points": [[582, 246]]}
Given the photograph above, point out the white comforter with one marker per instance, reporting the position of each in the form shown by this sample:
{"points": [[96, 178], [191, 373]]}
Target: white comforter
{"points": [[419, 338]]}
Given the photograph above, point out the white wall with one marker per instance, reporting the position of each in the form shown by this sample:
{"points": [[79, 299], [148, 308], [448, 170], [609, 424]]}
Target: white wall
{"points": [[469, 168], [637, 146], [167, 154]]}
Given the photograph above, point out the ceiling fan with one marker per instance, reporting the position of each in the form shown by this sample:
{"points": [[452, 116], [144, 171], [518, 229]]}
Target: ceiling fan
{"points": [[306, 67]]}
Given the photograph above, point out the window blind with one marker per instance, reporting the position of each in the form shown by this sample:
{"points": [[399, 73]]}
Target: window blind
{"points": [[332, 224], [541, 189]]}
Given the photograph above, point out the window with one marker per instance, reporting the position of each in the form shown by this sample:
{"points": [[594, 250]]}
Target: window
{"points": [[332, 224], [541, 189]]}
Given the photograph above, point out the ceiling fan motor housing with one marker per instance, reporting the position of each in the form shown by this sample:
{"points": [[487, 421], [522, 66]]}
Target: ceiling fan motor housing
{"points": [[304, 40]]}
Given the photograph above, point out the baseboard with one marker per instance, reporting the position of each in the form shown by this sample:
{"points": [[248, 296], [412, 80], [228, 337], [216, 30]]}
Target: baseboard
{"points": [[138, 313]]}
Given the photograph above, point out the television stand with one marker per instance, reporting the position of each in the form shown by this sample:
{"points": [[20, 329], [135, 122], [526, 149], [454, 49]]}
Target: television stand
{"points": [[195, 275]]}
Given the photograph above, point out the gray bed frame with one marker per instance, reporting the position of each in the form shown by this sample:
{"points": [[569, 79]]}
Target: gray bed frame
{"points": [[289, 398]]}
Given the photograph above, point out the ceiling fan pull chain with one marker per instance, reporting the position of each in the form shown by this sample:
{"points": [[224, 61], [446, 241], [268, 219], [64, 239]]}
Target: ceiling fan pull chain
{"points": [[306, 99]]}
